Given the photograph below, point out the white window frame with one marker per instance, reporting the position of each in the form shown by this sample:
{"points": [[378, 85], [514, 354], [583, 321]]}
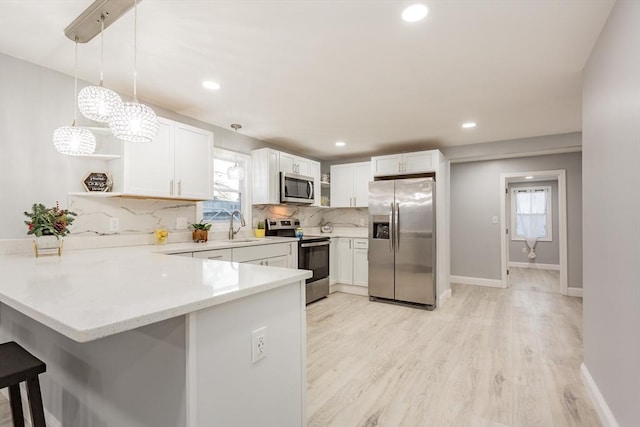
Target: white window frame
{"points": [[219, 226], [549, 210]]}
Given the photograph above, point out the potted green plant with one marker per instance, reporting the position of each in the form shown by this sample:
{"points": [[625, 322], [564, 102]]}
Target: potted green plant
{"points": [[200, 231], [49, 226], [259, 231]]}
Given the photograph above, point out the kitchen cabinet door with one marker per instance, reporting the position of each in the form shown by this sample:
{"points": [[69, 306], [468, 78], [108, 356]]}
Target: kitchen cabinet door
{"points": [[386, 165], [360, 262], [266, 177], [193, 150], [341, 186], [345, 261], [287, 163], [361, 177], [314, 172], [333, 261], [303, 166], [148, 168], [420, 161]]}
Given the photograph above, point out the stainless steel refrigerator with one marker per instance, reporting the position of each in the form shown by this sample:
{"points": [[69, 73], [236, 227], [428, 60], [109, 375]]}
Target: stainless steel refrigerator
{"points": [[402, 241]]}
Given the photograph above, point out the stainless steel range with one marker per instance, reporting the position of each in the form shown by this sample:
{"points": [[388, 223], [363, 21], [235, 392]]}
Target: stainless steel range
{"points": [[313, 254]]}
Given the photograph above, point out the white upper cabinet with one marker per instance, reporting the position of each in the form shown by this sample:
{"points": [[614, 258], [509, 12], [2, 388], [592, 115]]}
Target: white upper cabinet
{"points": [[350, 185], [193, 153], [407, 163], [176, 164], [294, 164], [267, 165]]}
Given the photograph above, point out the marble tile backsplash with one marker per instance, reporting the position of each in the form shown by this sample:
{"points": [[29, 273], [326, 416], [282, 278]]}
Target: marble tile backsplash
{"points": [[311, 216], [136, 216]]}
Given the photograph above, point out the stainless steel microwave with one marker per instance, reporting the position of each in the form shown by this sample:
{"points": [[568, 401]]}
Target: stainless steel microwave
{"points": [[296, 188]]}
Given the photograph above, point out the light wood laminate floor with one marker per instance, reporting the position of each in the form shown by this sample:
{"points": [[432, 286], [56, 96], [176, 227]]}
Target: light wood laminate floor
{"points": [[533, 279], [488, 357]]}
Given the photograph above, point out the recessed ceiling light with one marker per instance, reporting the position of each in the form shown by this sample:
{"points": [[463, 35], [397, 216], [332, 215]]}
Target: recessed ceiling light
{"points": [[415, 13], [469, 125], [211, 85], [340, 144], [528, 177]]}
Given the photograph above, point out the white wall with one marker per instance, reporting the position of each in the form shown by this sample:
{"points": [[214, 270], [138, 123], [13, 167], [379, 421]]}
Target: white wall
{"points": [[475, 199], [34, 101], [611, 144]]}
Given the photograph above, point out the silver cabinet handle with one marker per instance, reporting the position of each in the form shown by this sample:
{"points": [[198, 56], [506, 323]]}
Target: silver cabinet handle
{"points": [[180, 188], [349, 243], [399, 166], [215, 257], [354, 201], [171, 188]]}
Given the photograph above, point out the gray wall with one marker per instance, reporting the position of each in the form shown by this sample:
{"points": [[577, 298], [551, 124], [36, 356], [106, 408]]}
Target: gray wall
{"points": [[611, 141], [546, 252], [475, 199]]}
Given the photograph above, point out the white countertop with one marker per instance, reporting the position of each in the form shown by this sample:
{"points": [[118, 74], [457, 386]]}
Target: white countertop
{"points": [[90, 294]]}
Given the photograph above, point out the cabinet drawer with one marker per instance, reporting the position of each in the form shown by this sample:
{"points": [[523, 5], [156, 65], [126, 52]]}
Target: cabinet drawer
{"points": [[217, 254], [251, 253], [361, 243]]}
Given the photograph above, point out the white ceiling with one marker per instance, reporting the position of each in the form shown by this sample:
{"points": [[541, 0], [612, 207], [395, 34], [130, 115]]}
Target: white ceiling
{"points": [[304, 74]]}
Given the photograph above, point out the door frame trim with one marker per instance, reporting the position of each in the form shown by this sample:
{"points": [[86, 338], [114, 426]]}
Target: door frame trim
{"points": [[561, 176]]}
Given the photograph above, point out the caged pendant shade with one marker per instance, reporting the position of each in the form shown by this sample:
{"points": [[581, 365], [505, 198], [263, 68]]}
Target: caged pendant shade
{"points": [[132, 121], [99, 103], [73, 140]]}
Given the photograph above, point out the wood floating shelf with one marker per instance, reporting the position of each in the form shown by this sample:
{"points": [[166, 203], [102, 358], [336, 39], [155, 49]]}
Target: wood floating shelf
{"points": [[108, 194]]}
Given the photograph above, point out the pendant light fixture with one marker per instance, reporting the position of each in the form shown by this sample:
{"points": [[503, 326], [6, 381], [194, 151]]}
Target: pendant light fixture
{"points": [[236, 171], [97, 102], [132, 121], [73, 140]]}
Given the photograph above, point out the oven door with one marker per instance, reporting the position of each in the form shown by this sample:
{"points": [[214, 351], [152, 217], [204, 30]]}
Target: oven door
{"points": [[296, 188], [314, 256]]}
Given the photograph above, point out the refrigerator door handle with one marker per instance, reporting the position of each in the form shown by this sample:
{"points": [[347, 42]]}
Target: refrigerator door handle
{"points": [[397, 227], [392, 236]]}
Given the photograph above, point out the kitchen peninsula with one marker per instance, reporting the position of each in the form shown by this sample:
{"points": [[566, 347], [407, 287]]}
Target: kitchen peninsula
{"points": [[133, 337]]}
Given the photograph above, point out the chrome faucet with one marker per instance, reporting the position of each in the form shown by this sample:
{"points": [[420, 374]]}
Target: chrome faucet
{"points": [[232, 233]]}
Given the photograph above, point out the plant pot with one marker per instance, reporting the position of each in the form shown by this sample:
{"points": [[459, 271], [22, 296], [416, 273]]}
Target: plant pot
{"points": [[200, 235], [47, 245], [258, 232]]}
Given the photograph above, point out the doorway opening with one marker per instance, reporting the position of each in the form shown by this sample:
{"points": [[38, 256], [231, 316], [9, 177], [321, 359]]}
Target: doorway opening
{"points": [[538, 261]]}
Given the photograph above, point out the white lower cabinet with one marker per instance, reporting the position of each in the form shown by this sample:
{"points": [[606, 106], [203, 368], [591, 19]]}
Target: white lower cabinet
{"points": [[333, 261], [276, 255], [361, 262], [351, 255], [279, 261]]}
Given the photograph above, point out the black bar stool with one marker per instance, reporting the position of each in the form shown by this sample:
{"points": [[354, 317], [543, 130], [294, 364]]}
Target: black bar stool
{"points": [[18, 365]]}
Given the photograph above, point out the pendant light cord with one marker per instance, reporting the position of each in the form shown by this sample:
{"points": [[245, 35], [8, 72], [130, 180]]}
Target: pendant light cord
{"points": [[101, 50], [135, 50], [75, 85]]}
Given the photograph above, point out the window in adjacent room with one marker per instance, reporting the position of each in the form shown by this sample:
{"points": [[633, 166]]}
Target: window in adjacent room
{"points": [[228, 194], [531, 213]]}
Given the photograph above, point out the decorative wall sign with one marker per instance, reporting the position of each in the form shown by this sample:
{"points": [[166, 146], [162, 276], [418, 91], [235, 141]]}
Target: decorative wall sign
{"points": [[97, 181]]}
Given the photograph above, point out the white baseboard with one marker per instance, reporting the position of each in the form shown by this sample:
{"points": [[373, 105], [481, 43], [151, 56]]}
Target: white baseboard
{"points": [[49, 419], [349, 289], [478, 281], [600, 405], [444, 297], [574, 292], [535, 265]]}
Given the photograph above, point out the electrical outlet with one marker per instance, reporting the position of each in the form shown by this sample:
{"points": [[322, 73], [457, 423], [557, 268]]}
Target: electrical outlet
{"points": [[114, 225], [361, 221], [259, 344], [494, 220], [524, 250], [181, 223]]}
